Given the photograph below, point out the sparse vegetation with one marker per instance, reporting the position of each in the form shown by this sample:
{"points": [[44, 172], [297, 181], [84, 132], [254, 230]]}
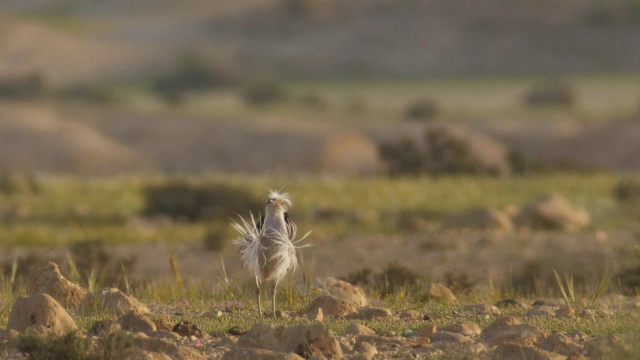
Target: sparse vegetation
{"points": [[265, 92], [422, 110], [550, 92]]}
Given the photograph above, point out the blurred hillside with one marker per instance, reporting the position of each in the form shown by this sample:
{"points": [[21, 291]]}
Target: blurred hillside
{"points": [[310, 85]]}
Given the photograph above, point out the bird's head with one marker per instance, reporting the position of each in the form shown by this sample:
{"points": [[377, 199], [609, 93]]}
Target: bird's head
{"points": [[277, 202]]}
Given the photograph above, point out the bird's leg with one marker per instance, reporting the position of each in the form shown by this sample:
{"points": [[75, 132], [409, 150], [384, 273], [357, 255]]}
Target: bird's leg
{"points": [[258, 293], [273, 300]]}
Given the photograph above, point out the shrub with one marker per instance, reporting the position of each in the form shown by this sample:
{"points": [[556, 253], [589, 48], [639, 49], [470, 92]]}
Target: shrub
{"points": [[550, 92], [72, 346], [11, 183], [394, 278], [627, 192], [313, 100], [424, 109], [215, 239], [184, 201], [359, 277], [25, 87], [86, 92], [442, 153], [196, 73], [265, 92], [92, 257]]}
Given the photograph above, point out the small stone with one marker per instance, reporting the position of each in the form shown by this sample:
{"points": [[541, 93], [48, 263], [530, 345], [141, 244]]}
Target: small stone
{"points": [[425, 331], [561, 344], [134, 321], [104, 327], [540, 311], [236, 330], [370, 313], [163, 334], [318, 316], [564, 312], [410, 315], [482, 309], [262, 354], [366, 349], [441, 293], [111, 300], [331, 306], [450, 337], [510, 351], [466, 328], [187, 328], [357, 329], [337, 288], [508, 303]]}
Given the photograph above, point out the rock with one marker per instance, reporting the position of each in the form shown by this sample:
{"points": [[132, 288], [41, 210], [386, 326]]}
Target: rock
{"points": [[561, 344], [317, 315], [481, 219], [599, 347], [564, 312], [540, 311], [552, 212], [508, 303], [441, 293], [112, 300], [42, 314], [262, 354], [409, 315], [506, 328], [425, 331], [104, 327], [236, 330], [482, 309], [450, 337], [169, 348], [366, 349], [466, 328], [163, 323], [339, 289], [136, 322], [510, 351], [187, 328], [387, 341], [331, 306], [357, 329], [164, 334], [48, 280], [370, 313], [303, 340]]}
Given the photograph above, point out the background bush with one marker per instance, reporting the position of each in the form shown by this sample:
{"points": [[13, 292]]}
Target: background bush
{"points": [[181, 200]]}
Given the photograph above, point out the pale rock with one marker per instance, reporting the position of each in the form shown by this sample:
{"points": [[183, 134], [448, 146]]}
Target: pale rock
{"points": [[112, 300], [440, 293], [262, 354], [510, 351], [425, 331], [42, 313], [366, 349], [48, 280], [409, 315], [509, 329], [552, 212], [561, 344], [466, 328], [303, 340], [337, 288], [482, 309], [137, 322], [450, 337], [358, 329], [331, 306], [370, 313]]}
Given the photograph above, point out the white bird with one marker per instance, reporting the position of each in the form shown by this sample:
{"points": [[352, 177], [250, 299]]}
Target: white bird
{"points": [[268, 248]]}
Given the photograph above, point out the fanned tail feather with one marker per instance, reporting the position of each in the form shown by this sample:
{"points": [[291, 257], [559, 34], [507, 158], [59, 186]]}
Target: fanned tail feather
{"points": [[249, 243]]}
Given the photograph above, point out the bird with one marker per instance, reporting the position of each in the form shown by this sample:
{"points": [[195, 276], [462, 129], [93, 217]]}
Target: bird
{"points": [[268, 247]]}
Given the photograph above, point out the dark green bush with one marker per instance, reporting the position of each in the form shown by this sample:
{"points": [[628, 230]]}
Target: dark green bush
{"points": [[181, 200], [394, 278], [550, 92], [442, 153], [265, 92], [196, 73], [627, 192], [11, 183], [87, 93], [92, 256], [424, 109], [25, 87], [359, 277]]}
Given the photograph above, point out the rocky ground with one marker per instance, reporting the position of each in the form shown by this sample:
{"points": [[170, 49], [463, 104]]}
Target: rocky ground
{"points": [[120, 326]]}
